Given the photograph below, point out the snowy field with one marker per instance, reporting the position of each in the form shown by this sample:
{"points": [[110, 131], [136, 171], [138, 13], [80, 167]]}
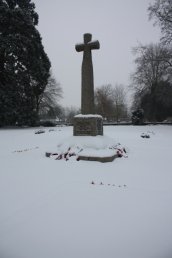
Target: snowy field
{"points": [[50, 209]]}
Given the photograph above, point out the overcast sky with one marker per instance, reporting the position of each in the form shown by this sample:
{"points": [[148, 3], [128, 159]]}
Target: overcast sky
{"points": [[119, 25]]}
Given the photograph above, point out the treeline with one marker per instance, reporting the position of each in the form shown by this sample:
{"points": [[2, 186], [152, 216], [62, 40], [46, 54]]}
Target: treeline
{"points": [[110, 102], [29, 92]]}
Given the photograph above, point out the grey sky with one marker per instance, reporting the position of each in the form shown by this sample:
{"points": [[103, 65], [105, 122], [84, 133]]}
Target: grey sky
{"points": [[118, 25]]}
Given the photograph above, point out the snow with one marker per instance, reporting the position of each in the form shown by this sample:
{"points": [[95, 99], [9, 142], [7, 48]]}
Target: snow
{"points": [[89, 116], [87, 144], [90, 146], [50, 208]]}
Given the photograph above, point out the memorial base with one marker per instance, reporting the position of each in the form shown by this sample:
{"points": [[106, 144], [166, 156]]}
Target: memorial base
{"points": [[88, 125]]}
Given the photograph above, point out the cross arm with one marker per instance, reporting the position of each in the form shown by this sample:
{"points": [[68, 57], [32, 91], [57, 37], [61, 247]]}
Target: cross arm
{"points": [[79, 47], [94, 44]]}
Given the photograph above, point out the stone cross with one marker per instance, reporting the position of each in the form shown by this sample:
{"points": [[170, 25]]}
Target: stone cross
{"points": [[87, 90]]}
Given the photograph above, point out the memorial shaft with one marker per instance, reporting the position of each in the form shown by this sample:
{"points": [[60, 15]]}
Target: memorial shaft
{"points": [[87, 80]]}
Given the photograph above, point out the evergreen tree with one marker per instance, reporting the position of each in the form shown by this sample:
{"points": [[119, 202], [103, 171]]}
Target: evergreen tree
{"points": [[24, 66]]}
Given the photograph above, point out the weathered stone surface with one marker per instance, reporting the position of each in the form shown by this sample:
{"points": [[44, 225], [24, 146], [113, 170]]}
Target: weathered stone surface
{"points": [[88, 126], [87, 90]]}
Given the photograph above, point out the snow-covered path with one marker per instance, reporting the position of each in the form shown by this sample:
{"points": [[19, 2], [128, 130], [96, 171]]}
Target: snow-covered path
{"points": [[50, 209]]}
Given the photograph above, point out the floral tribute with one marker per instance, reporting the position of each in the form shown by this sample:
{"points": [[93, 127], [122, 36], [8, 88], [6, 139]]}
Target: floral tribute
{"points": [[74, 153]]}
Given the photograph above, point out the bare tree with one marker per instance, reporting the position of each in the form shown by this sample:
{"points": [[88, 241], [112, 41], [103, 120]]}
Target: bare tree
{"points": [[152, 73], [104, 101], [70, 112], [161, 12], [119, 98], [49, 100], [110, 102], [150, 67]]}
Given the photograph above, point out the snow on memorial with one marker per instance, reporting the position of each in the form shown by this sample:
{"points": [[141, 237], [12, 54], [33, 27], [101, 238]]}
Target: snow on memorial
{"points": [[88, 141]]}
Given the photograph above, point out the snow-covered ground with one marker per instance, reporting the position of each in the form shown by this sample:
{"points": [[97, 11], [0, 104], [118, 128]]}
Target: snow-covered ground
{"points": [[50, 209]]}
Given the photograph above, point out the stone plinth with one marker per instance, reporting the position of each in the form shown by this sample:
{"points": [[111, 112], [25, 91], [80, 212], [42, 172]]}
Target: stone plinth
{"points": [[88, 125], [100, 159]]}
